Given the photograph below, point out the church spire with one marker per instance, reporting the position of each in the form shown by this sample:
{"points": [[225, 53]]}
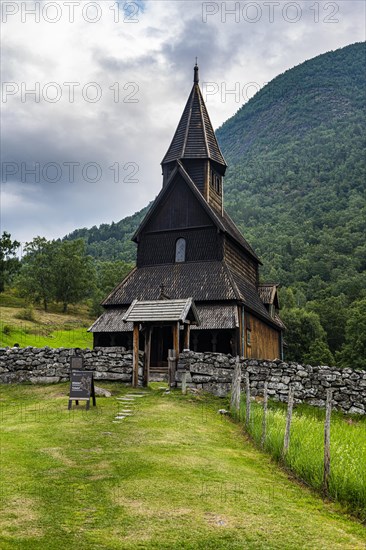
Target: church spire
{"points": [[194, 137], [196, 77], [195, 146]]}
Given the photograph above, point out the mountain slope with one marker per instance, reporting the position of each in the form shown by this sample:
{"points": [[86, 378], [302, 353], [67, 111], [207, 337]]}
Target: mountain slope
{"points": [[296, 178]]}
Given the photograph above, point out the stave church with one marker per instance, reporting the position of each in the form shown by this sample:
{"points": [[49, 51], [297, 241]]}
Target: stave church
{"points": [[196, 281]]}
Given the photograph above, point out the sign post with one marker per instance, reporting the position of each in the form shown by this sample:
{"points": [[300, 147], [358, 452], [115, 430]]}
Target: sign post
{"points": [[81, 387]]}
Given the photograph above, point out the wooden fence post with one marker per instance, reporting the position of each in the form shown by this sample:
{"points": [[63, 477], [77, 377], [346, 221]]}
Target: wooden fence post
{"points": [[328, 414], [247, 398], [235, 387], [286, 441], [265, 408]]}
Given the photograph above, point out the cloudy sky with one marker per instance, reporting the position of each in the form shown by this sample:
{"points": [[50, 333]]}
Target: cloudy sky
{"points": [[92, 92]]}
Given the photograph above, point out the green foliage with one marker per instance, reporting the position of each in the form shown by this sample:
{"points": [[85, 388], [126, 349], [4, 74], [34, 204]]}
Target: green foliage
{"points": [[37, 278], [305, 338], [110, 242], [56, 271], [108, 276], [332, 313], [353, 353], [6, 329], [9, 264], [74, 273]]}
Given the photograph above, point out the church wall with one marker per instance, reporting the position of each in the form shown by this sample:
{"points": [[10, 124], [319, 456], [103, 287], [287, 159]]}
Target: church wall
{"points": [[159, 248], [240, 262], [196, 170], [180, 209], [263, 342]]}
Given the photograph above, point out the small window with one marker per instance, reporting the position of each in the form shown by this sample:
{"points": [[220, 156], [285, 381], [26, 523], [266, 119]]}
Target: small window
{"points": [[215, 181], [180, 250], [249, 337]]}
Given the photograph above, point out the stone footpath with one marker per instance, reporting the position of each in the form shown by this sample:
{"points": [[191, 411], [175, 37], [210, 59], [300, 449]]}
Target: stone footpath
{"points": [[128, 400]]}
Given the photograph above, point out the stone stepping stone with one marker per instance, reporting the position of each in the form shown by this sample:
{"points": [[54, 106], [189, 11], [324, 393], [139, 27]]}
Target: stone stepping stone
{"points": [[123, 399], [126, 399]]}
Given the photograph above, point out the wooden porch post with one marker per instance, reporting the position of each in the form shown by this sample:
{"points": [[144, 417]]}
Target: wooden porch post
{"points": [[187, 333], [135, 371], [147, 355], [176, 339]]}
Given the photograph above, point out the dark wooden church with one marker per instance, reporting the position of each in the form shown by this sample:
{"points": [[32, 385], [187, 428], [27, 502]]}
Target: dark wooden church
{"points": [[196, 281]]}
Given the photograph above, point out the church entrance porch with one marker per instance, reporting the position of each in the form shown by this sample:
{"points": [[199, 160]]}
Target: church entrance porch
{"points": [[161, 343]]}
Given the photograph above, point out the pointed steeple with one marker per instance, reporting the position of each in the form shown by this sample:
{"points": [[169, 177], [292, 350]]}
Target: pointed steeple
{"points": [[196, 77], [194, 137]]}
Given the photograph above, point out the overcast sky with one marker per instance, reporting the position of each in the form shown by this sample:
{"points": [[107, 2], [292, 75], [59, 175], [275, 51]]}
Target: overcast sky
{"points": [[110, 81]]}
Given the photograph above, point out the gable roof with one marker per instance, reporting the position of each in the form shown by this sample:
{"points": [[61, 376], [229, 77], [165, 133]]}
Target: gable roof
{"points": [[194, 137], [162, 311], [224, 223], [268, 293]]}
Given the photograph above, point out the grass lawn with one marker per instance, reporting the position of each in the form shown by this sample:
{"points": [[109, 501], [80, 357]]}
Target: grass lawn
{"points": [[174, 475]]}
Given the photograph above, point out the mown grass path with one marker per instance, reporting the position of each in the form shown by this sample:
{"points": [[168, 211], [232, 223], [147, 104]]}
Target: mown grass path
{"points": [[174, 475]]}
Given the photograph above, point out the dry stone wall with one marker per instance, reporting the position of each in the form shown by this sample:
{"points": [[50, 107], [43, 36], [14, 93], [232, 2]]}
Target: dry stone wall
{"points": [[213, 372], [48, 365]]}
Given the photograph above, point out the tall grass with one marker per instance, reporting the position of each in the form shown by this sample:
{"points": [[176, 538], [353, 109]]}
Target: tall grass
{"points": [[347, 482]]}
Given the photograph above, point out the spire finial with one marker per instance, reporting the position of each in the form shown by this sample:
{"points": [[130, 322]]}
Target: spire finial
{"points": [[196, 78]]}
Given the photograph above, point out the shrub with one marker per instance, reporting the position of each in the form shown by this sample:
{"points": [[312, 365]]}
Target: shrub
{"points": [[26, 314], [6, 329]]}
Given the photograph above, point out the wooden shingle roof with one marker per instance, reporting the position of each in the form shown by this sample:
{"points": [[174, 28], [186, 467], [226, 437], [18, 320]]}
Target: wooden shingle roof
{"points": [[211, 316], [111, 320], [194, 137], [204, 281], [268, 293], [141, 311]]}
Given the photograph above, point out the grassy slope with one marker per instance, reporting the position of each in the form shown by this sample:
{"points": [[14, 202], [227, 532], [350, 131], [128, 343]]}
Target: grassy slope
{"points": [[52, 329], [175, 475]]}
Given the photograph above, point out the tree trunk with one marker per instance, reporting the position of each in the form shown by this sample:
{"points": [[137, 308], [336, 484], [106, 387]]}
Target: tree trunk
{"points": [[64, 309]]}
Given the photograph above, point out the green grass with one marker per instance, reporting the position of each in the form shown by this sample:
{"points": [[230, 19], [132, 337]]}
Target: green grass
{"points": [[34, 327], [73, 338], [306, 452], [176, 475]]}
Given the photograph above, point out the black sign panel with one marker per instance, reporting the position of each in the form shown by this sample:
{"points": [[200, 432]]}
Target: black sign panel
{"points": [[81, 387], [76, 363]]}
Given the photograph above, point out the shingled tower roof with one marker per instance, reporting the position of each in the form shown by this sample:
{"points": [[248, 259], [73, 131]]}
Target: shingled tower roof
{"points": [[194, 137]]}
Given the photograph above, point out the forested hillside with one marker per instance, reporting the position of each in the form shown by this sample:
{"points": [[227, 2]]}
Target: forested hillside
{"points": [[296, 177], [296, 188], [111, 241]]}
